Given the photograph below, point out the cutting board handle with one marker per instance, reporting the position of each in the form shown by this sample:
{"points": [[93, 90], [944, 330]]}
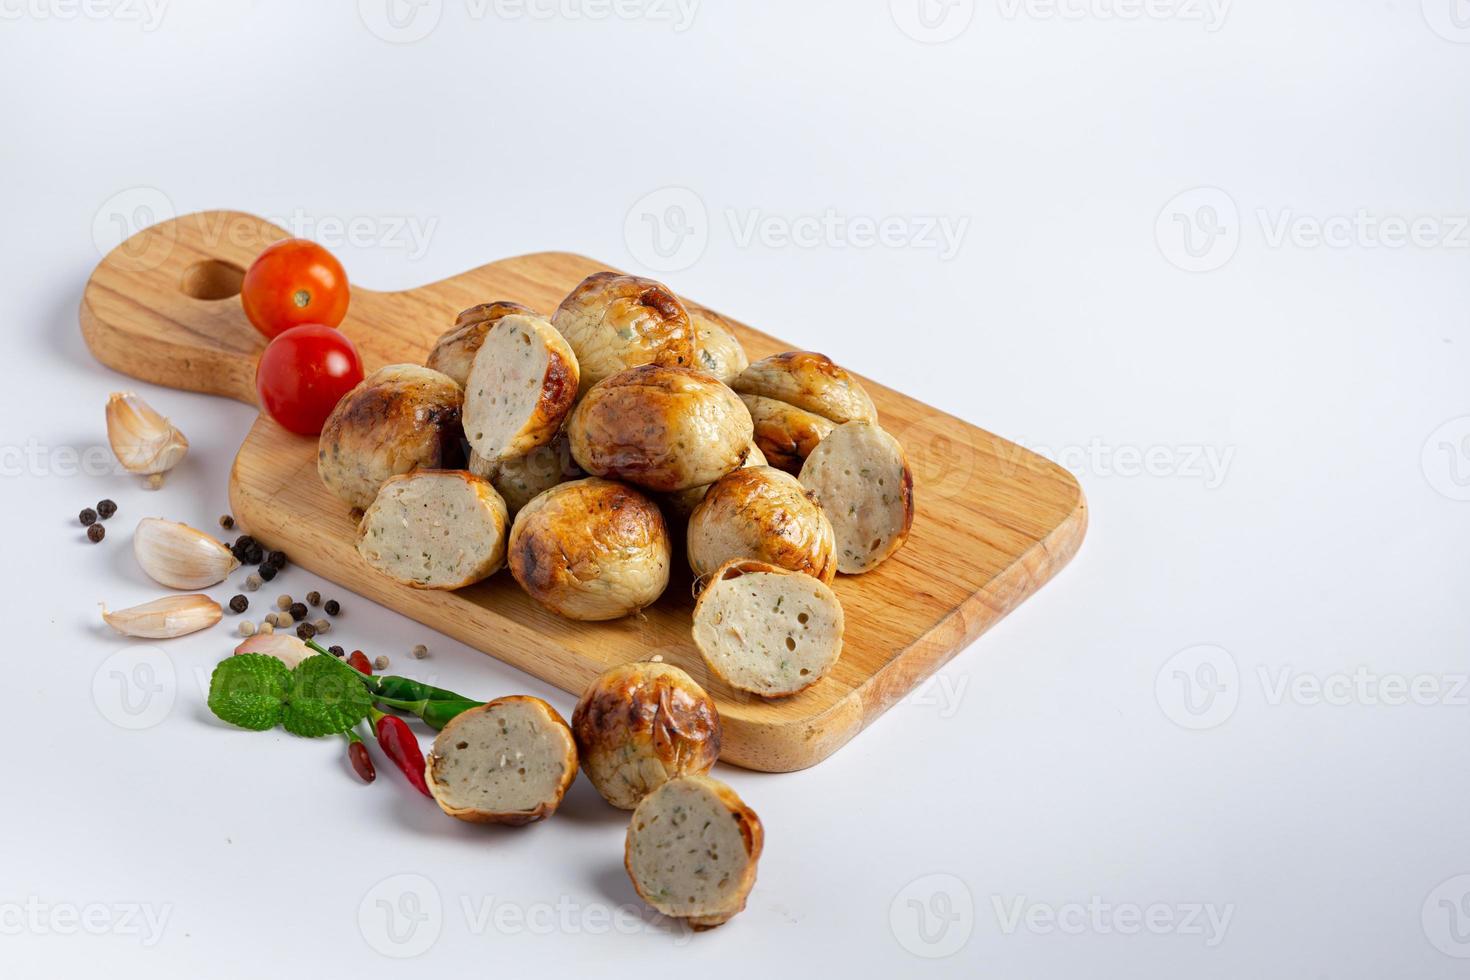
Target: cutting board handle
{"points": [[164, 306]]}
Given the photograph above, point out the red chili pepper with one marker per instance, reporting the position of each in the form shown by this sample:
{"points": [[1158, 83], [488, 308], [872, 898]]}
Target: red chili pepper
{"points": [[359, 660], [357, 755], [399, 744]]}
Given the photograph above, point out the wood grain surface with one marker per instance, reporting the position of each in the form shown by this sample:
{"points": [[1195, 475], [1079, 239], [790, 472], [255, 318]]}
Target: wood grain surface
{"points": [[994, 522]]}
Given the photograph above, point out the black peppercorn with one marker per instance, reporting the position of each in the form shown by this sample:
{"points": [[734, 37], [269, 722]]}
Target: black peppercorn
{"points": [[95, 533], [254, 555], [88, 517], [333, 607], [239, 604], [106, 508], [276, 560], [266, 572], [226, 521], [313, 598], [336, 651], [306, 631], [297, 611]]}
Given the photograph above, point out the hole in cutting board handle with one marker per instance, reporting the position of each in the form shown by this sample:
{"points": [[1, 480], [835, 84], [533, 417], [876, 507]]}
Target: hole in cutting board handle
{"points": [[212, 279]]}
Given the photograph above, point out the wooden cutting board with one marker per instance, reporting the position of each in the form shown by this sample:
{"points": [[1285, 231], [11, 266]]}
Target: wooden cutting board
{"points": [[994, 521]]}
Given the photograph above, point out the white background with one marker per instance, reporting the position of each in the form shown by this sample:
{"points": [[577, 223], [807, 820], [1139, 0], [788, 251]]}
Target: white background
{"points": [[1274, 447]]}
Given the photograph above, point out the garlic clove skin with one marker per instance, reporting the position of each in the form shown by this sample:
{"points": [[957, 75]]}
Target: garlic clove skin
{"points": [[143, 441], [283, 646], [166, 618], [180, 557]]}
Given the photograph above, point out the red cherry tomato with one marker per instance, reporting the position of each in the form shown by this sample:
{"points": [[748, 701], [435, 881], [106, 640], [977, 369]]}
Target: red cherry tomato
{"points": [[294, 282], [303, 373]]}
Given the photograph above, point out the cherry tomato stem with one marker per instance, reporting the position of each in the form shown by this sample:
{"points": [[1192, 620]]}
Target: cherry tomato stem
{"points": [[294, 282]]}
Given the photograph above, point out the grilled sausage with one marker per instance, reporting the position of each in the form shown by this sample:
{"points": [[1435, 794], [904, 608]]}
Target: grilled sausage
{"points": [[639, 725], [520, 389], [809, 381], [766, 630], [860, 475], [615, 322], [455, 350], [435, 529], [663, 428], [764, 514], [692, 850], [591, 549], [399, 418], [509, 762]]}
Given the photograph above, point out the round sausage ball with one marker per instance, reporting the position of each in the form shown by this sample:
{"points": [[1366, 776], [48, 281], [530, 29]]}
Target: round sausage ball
{"points": [[639, 725], [615, 322], [785, 433], [717, 351], [692, 850], [765, 514], [664, 428], [520, 479], [591, 549], [399, 418], [809, 381], [681, 503], [455, 350], [509, 761]]}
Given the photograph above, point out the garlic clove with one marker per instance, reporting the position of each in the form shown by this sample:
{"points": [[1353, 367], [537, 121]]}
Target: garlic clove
{"points": [[283, 646], [180, 557], [143, 441], [162, 619]]}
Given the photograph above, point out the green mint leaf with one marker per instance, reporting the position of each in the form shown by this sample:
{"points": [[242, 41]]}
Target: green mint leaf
{"points": [[249, 690], [323, 699]]}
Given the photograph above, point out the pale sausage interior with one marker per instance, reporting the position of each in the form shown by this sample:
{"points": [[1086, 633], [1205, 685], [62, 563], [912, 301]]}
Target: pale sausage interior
{"points": [[435, 530], [769, 633], [686, 851], [504, 387], [508, 758]]}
